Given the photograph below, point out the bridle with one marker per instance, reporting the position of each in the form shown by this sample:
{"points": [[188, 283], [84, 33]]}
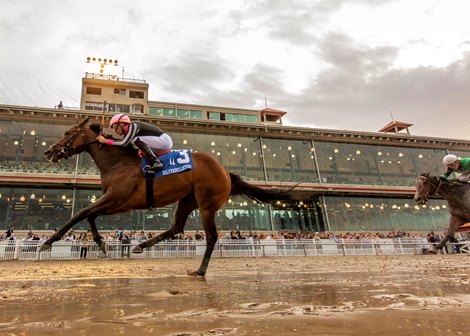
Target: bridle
{"points": [[427, 193], [65, 149]]}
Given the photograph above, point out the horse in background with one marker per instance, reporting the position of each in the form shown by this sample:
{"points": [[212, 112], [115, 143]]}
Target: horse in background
{"points": [[457, 196], [206, 187]]}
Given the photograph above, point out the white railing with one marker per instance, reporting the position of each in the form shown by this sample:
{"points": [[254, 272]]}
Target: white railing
{"points": [[63, 250]]}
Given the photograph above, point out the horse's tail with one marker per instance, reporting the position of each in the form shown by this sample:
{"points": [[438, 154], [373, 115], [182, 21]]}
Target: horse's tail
{"points": [[263, 195]]}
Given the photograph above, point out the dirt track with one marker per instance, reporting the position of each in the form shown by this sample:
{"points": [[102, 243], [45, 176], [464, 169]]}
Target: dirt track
{"points": [[371, 295]]}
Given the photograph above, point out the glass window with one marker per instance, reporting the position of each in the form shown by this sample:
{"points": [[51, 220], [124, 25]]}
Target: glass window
{"points": [[384, 214], [22, 146], [182, 113], [240, 117], [156, 111], [240, 155], [195, 114], [136, 94], [214, 115], [93, 106], [289, 160], [121, 108], [169, 112], [93, 90], [374, 165], [119, 92], [137, 108]]}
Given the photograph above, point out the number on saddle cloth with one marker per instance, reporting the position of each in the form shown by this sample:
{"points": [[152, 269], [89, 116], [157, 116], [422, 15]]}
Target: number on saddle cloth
{"points": [[176, 161]]}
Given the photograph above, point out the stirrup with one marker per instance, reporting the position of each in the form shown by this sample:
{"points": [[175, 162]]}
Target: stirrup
{"points": [[154, 168]]}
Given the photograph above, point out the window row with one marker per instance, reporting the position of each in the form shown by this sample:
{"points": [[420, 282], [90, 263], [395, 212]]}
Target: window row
{"points": [[116, 91], [46, 209], [262, 159]]}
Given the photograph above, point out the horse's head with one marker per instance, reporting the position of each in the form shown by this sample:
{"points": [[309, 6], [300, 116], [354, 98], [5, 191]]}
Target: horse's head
{"points": [[72, 142], [426, 186]]}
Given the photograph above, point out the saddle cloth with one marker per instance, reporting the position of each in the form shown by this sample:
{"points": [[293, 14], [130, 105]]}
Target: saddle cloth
{"points": [[175, 161]]}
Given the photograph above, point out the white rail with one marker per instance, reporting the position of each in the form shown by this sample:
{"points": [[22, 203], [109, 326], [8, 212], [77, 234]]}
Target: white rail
{"points": [[70, 250]]}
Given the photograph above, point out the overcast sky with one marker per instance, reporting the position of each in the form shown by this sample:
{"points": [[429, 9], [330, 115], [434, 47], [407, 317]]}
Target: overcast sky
{"points": [[336, 64]]}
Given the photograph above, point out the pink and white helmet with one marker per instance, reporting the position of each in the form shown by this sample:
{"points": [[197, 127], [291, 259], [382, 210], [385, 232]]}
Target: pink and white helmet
{"points": [[120, 117]]}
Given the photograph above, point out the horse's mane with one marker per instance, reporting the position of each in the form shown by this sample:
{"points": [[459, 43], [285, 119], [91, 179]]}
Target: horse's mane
{"points": [[444, 181], [96, 128]]}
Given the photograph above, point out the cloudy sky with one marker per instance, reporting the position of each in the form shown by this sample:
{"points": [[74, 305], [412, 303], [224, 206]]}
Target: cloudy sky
{"points": [[338, 64]]}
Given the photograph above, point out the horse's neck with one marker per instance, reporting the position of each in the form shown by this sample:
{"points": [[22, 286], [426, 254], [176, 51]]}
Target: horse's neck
{"points": [[457, 196], [107, 157]]}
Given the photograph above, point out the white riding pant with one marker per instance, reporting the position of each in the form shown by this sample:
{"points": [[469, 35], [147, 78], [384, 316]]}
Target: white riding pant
{"points": [[159, 145]]}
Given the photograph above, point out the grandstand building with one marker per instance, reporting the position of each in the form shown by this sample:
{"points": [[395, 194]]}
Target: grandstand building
{"points": [[358, 181]]}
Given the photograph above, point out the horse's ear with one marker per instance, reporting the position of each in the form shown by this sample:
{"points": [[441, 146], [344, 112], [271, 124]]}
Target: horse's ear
{"points": [[425, 174], [83, 122]]}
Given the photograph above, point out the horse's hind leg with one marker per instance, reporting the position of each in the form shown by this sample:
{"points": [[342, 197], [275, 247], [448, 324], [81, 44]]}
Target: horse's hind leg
{"points": [[208, 222], [454, 224], [185, 206]]}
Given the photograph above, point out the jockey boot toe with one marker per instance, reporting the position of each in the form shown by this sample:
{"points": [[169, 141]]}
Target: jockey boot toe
{"points": [[153, 167]]}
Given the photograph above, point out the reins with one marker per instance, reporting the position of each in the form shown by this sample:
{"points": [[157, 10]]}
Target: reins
{"points": [[427, 193], [65, 149]]}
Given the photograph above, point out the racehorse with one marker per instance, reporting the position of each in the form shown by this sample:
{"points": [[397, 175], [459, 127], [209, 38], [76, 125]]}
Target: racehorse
{"points": [[457, 196], [206, 187]]}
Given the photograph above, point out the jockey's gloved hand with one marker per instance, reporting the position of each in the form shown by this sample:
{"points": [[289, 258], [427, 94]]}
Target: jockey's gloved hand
{"points": [[463, 178]]}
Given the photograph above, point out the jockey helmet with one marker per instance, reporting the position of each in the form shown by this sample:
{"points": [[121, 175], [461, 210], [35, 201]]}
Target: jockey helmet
{"points": [[120, 117], [449, 159]]}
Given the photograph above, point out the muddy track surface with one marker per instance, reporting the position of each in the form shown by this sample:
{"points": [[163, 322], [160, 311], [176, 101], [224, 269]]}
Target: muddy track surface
{"points": [[370, 295]]}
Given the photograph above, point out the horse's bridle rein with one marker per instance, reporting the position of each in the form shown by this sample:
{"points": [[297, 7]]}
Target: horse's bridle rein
{"points": [[65, 149], [427, 194]]}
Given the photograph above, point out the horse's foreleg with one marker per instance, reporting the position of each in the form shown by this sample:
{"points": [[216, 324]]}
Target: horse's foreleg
{"points": [[97, 238], [102, 205], [47, 245]]}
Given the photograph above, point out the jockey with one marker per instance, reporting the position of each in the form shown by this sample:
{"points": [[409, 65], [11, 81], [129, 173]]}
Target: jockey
{"points": [[148, 138], [454, 164]]}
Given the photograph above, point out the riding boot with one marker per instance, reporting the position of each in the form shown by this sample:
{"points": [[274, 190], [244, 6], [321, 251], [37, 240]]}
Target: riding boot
{"points": [[153, 162]]}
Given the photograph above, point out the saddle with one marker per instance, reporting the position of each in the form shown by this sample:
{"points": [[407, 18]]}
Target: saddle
{"points": [[174, 162]]}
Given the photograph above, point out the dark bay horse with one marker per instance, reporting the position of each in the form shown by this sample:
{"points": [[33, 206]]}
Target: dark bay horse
{"points": [[206, 187], [457, 196]]}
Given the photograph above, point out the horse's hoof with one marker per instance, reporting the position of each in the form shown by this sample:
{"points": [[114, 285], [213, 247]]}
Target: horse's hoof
{"points": [[195, 273], [432, 250], [45, 248], [104, 248], [137, 249]]}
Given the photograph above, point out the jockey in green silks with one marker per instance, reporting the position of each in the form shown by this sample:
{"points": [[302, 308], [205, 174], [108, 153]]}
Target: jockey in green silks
{"points": [[454, 164]]}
